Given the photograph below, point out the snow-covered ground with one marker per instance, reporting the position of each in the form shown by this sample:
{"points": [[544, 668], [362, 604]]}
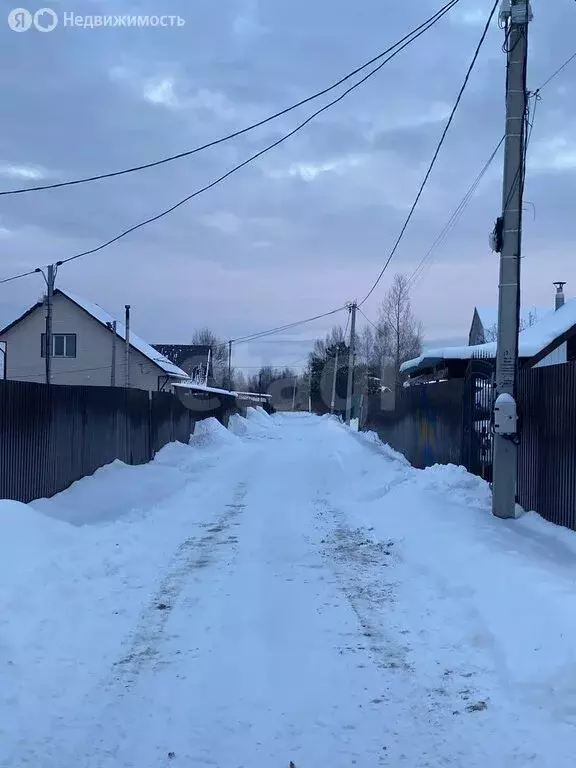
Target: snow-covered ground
{"points": [[286, 590]]}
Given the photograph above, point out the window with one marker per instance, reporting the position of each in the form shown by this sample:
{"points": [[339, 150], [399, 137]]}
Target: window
{"points": [[63, 345]]}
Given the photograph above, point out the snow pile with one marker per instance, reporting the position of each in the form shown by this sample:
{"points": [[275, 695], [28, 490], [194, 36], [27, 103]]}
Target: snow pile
{"points": [[257, 424], [210, 434], [455, 483]]}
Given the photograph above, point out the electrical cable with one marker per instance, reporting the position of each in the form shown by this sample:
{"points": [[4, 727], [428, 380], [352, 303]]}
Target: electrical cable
{"points": [[266, 149], [271, 331], [436, 153], [557, 72], [455, 217], [17, 277], [242, 131]]}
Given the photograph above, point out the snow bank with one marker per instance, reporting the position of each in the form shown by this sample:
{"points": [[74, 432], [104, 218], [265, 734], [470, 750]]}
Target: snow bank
{"points": [[119, 491]]}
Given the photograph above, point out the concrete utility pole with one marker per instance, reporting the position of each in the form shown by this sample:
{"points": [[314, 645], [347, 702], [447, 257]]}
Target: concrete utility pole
{"points": [[294, 395], [50, 278], [113, 371], [333, 398], [515, 15], [352, 308], [127, 348]]}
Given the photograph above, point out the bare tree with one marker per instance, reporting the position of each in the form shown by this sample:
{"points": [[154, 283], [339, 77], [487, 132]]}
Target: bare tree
{"points": [[403, 330], [323, 347], [491, 333], [366, 347], [219, 356]]}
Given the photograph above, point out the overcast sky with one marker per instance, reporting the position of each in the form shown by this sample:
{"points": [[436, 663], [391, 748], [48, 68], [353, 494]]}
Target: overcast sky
{"points": [[309, 225]]}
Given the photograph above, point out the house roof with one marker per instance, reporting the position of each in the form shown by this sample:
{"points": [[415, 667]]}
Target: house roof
{"points": [[101, 316], [489, 315], [533, 342]]}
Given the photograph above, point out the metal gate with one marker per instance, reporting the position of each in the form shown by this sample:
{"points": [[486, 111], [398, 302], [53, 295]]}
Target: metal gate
{"points": [[478, 442]]}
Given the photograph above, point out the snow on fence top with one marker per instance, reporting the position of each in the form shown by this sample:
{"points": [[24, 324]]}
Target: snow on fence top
{"points": [[135, 341], [531, 342]]}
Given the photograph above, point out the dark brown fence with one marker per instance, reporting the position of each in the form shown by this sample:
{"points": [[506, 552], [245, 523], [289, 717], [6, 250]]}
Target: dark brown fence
{"points": [[547, 452], [425, 425], [52, 436]]}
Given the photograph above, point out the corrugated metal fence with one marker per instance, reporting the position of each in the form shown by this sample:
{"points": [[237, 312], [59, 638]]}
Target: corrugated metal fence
{"points": [[425, 425], [450, 422], [547, 452], [52, 436]]}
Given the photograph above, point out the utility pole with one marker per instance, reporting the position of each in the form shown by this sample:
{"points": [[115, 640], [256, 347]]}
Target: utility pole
{"points": [[112, 326], [127, 348], [333, 398], [50, 278], [310, 391], [294, 394], [230, 365], [352, 308], [208, 361], [515, 16]]}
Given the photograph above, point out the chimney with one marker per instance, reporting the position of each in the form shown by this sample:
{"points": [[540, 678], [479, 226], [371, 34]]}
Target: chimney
{"points": [[559, 295]]}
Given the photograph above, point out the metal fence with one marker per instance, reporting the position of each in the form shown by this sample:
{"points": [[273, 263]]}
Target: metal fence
{"points": [[52, 436], [426, 424], [451, 422], [547, 451]]}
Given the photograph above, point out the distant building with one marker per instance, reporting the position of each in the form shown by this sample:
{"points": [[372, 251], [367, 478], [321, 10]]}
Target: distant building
{"points": [[551, 340], [82, 348]]}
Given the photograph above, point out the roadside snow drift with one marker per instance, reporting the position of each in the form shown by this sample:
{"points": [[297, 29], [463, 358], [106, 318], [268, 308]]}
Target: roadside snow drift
{"points": [[287, 590]]}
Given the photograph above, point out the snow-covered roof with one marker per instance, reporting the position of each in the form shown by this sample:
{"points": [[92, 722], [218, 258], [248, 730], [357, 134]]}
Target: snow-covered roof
{"points": [[531, 342], [489, 315], [135, 341]]}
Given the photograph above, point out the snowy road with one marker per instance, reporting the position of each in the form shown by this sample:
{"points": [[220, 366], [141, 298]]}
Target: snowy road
{"points": [[286, 591]]}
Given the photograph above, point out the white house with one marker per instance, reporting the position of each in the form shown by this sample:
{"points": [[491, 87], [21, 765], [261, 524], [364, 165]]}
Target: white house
{"points": [[83, 346]]}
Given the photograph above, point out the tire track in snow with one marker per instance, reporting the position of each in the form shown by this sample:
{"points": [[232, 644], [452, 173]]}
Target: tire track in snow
{"points": [[359, 564], [362, 568], [194, 553]]}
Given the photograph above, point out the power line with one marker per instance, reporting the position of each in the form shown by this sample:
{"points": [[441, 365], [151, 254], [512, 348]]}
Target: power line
{"points": [[260, 334], [234, 135], [557, 72], [17, 277], [436, 153], [269, 147], [456, 215]]}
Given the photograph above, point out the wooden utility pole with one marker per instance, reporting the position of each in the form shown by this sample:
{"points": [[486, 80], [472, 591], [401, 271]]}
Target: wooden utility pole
{"points": [[515, 17]]}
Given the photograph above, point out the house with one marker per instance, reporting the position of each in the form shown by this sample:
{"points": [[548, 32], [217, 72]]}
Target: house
{"points": [[549, 341], [83, 347]]}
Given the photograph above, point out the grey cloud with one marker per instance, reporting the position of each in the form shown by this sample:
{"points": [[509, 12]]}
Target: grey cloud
{"points": [[83, 101]]}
